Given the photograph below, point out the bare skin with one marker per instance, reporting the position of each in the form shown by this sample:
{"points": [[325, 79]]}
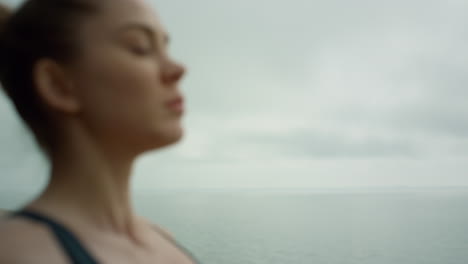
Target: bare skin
{"points": [[111, 107]]}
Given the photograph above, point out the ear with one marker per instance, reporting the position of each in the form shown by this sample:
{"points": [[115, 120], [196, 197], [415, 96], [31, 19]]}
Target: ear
{"points": [[54, 87]]}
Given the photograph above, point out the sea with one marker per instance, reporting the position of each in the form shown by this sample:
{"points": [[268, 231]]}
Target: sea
{"points": [[422, 226]]}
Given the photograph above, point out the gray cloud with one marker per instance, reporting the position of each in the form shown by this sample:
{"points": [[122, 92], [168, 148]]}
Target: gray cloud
{"points": [[325, 145]]}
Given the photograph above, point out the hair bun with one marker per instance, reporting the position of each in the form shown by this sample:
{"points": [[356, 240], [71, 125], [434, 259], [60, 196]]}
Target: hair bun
{"points": [[5, 13]]}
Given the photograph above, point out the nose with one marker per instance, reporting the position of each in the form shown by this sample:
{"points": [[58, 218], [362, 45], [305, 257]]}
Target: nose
{"points": [[172, 72]]}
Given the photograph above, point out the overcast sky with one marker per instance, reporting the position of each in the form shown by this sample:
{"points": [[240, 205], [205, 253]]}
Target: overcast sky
{"points": [[303, 94]]}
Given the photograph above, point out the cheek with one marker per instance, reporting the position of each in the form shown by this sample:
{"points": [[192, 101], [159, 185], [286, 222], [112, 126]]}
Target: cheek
{"points": [[119, 91]]}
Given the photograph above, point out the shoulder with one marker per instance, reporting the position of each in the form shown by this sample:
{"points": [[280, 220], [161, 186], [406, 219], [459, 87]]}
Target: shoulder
{"points": [[161, 230], [164, 232], [24, 242]]}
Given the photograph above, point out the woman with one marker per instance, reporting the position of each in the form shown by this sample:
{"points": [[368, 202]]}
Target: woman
{"points": [[94, 82]]}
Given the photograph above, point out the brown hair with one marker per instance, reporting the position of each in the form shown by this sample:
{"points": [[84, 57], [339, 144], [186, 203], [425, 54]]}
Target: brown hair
{"points": [[37, 29]]}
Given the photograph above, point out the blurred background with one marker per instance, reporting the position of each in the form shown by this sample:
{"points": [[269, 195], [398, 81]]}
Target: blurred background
{"points": [[322, 131]]}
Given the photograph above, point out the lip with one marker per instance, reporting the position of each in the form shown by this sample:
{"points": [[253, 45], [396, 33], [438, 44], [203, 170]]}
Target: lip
{"points": [[176, 104]]}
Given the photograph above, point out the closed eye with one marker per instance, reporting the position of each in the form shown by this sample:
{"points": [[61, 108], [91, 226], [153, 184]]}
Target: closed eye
{"points": [[143, 39], [139, 50]]}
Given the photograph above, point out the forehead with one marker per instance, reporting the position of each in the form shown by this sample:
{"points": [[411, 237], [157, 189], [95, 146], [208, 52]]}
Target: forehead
{"points": [[114, 14]]}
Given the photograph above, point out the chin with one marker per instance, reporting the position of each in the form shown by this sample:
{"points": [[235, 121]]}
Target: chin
{"points": [[167, 138]]}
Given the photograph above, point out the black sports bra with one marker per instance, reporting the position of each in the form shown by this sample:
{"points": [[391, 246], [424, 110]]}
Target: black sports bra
{"points": [[73, 248]]}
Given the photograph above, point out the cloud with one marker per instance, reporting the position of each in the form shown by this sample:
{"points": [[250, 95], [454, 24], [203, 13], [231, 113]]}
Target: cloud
{"points": [[385, 92]]}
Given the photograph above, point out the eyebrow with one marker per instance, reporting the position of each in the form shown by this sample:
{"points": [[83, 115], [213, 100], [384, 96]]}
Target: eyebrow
{"points": [[146, 29]]}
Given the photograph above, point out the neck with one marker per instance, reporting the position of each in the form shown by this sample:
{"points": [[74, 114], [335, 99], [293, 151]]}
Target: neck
{"points": [[91, 185]]}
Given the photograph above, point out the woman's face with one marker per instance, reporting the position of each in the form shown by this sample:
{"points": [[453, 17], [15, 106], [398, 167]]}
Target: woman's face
{"points": [[125, 77]]}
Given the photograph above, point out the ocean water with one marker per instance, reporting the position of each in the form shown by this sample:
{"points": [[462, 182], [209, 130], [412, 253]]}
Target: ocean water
{"points": [[404, 227]]}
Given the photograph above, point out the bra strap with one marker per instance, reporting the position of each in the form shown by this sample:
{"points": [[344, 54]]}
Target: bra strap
{"points": [[70, 243]]}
